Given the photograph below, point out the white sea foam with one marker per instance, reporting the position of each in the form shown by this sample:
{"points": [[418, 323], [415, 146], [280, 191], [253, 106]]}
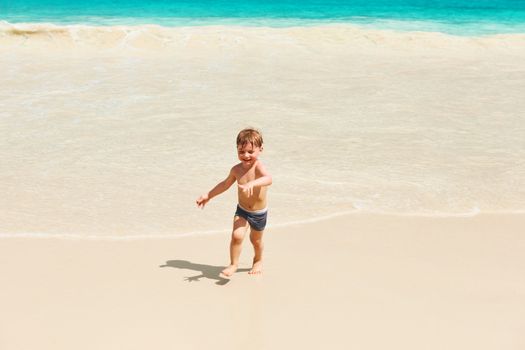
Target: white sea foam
{"points": [[154, 37], [152, 236]]}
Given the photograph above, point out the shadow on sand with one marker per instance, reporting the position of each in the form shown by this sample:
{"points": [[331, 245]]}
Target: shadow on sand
{"points": [[207, 271]]}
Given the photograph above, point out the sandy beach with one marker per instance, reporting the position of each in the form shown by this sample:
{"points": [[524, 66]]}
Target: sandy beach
{"points": [[396, 214], [356, 281]]}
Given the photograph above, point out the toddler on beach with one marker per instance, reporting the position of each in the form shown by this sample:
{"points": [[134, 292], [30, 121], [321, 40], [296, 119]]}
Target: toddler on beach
{"points": [[252, 181]]}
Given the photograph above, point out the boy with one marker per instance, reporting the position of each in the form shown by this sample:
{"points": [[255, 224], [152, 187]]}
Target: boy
{"points": [[252, 181]]}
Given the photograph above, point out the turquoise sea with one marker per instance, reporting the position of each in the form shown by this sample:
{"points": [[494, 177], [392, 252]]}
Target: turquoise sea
{"points": [[458, 17]]}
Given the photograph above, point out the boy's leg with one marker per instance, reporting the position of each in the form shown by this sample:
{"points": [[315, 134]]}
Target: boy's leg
{"points": [[258, 246], [239, 229]]}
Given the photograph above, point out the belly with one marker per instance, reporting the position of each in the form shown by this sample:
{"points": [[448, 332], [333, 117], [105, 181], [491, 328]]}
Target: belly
{"points": [[256, 201]]}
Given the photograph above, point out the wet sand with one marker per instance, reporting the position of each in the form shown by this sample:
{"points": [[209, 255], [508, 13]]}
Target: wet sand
{"points": [[114, 131]]}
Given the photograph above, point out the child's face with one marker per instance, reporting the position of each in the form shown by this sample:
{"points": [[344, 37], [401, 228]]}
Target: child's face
{"points": [[248, 154]]}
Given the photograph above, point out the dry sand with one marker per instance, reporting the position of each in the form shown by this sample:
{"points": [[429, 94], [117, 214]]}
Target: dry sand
{"points": [[358, 281]]}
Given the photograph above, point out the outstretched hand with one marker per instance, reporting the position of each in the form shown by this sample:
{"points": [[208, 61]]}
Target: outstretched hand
{"points": [[247, 188], [202, 200]]}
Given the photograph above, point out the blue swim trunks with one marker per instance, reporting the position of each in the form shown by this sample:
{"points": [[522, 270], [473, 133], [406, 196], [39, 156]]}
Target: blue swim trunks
{"points": [[256, 219]]}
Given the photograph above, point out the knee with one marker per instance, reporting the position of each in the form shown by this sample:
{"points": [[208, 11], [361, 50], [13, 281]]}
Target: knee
{"points": [[237, 238], [257, 242]]}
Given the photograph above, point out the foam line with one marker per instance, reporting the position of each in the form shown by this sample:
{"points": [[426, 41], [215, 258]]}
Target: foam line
{"points": [[475, 212]]}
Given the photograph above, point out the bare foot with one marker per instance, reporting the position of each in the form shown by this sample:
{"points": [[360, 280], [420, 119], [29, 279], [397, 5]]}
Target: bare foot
{"points": [[256, 268], [230, 270]]}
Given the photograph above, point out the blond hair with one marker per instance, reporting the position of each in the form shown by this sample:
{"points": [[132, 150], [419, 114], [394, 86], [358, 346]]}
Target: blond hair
{"points": [[249, 135]]}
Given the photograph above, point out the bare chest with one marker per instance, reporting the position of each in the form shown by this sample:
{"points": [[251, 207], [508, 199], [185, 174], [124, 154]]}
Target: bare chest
{"points": [[245, 176]]}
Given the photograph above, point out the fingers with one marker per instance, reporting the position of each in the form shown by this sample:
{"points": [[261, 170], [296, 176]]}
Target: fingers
{"points": [[247, 189], [200, 203]]}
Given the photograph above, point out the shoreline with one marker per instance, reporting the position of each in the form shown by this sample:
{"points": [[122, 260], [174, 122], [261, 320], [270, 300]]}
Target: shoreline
{"points": [[261, 24], [283, 226], [428, 283], [29, 28], [151, 40]]}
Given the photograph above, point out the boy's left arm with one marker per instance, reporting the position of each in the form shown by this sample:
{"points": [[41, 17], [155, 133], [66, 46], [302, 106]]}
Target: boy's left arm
{"points": [[264, 180]]}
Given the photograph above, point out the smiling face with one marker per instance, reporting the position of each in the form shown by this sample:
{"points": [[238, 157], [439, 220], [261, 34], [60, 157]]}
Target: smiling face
{"points": [[248, 154]]}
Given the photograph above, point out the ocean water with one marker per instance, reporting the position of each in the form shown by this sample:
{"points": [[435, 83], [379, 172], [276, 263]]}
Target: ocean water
{"points": [[116, 116], [459, 17]]}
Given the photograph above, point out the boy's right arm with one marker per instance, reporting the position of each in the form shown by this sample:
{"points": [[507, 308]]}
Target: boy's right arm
{"points": [[218, 189]]}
